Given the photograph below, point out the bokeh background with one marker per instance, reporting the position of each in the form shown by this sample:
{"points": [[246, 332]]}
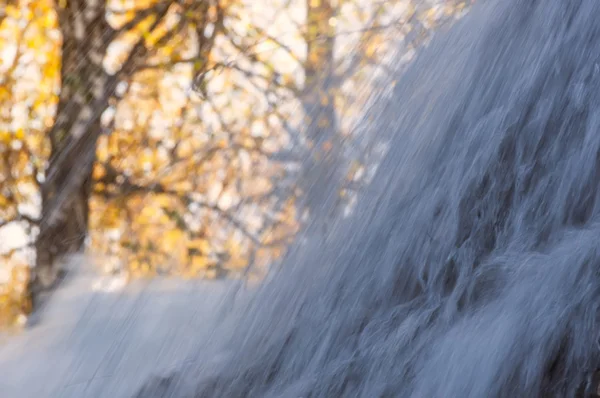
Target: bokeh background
{"points": [[184, 138]]}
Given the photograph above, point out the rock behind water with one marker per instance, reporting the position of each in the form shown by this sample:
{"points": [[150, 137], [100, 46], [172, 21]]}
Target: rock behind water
{"points": [[472, 265]]}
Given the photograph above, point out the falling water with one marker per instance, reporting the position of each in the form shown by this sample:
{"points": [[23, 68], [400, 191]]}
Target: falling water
{"points": [[472, 265]]}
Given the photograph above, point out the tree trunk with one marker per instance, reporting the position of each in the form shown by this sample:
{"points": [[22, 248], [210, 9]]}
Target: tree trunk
{"points": [[318, 70], [322, 171], [84, 96]]}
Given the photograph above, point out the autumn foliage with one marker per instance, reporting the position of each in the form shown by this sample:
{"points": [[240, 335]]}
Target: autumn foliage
{"points": [[192, 113]]}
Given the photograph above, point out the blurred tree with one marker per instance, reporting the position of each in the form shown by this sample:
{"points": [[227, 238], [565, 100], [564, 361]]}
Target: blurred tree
{"points": [[86, 88], [84, 93], [28, 78], [318, 98], [195, 163], [322, 171], [167, 134]]}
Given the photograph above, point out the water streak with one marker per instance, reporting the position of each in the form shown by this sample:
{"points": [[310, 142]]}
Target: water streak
{"points": [[471, 267]]}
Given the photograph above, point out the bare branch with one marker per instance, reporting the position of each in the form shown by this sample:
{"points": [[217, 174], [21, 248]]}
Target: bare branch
{"points": [[157, 9], [280, 44], [129, 188], [19, 218]]}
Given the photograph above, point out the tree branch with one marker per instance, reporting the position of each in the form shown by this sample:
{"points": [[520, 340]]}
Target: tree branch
{"points": [[20, 217], [129, 188], [157, 9]]}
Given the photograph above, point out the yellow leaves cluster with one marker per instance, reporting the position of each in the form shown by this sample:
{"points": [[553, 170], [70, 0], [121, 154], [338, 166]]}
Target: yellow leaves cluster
{"points": [[193, 147], [157, 232], [122, 12], [28, 85], [15, 299], [13, 11], [150, 239], [238, 255], [208, 152], [4, 202], [5, 137]]}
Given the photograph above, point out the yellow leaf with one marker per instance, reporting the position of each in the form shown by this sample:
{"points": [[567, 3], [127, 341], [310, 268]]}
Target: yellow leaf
{"points": [[134, 265], [182, 186], [4, 92], [12, 12], [314, 58], [222, 143], [49, 20], [370, 50], [172, 239], [98, 172], [202, 245], [200, 262], [19, 134]]}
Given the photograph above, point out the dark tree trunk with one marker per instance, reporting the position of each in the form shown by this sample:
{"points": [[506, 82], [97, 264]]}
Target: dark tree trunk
{"points": [[84, 96]]}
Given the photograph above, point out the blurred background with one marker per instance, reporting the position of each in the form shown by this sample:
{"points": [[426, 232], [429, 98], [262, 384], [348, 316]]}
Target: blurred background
{"points": [[173, 138]]}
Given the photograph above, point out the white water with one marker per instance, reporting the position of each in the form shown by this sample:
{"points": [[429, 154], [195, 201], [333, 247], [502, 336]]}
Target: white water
{"points": [[472, 265]]}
